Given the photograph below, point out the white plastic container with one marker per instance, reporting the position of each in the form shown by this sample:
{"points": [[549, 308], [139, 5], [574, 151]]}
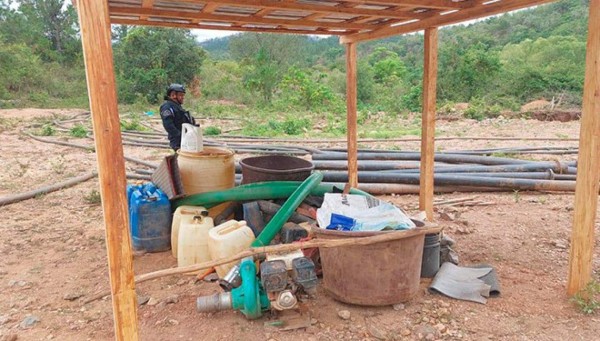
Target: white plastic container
{"points": [[191, 138], [193, 240], [182, 213], [228, 239], [287, 257]]}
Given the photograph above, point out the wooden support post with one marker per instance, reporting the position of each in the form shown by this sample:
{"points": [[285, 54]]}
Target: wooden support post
{"points": [[352, 134], [97, 52], [586, 189], [428, 122]]}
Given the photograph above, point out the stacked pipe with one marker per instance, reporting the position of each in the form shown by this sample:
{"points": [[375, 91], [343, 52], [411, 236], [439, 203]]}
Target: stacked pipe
{"points": [[153, 140], [384, 172], [467, 171]]}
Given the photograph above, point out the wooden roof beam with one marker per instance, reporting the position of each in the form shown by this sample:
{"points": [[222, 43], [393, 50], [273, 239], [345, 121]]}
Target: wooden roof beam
{"points": [[439, 4], [426, 13], [208, 8], [123, 21], [442, 20], [261, 13], [278, 5], [314, 16], [128, 11], [147, 4]]}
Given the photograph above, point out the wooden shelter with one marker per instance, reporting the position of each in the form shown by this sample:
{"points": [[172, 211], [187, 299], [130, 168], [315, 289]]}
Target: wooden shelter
{"points": [[354, 21]]}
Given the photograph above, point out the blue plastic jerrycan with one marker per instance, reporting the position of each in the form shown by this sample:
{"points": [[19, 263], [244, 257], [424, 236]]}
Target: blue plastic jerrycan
{"points": [[149, 218]]}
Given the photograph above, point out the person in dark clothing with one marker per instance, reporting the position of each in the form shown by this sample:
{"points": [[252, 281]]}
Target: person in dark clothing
{"points": [[173, 115]]}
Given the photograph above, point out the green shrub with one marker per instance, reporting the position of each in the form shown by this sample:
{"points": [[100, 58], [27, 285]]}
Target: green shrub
{"points": [[294, 126], [413, 99], [222, 80], [254, 129], [40, 98], [274, 127], [93, 197], [133, 124], [588, 300], [479, 110], [47, 130], [78, 131], [446, 108], [7, 123], [212, 131], [301, 88], [474, 113]]}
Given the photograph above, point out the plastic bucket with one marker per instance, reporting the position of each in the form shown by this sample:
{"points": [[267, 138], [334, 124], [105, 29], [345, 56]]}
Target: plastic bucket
{"points": [[431, 256], [373, 275], [275, 168], [211, 170]]}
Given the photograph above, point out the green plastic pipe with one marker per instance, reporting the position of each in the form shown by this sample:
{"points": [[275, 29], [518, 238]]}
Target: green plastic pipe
{"points": [[286, 210], [255, 191]]}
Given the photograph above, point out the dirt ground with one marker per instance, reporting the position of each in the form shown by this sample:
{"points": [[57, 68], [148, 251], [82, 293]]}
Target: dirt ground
{"points": [[53, 257]]}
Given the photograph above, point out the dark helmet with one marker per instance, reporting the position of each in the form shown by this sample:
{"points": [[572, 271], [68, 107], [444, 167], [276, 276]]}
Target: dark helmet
{"points": [[175, 87]]}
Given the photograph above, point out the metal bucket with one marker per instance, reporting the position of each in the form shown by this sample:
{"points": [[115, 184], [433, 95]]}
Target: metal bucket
{"points": [[373, 275], [275, 168]]}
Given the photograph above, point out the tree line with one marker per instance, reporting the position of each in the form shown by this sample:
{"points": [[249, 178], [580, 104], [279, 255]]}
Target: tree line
{"points": [[495, 64]]}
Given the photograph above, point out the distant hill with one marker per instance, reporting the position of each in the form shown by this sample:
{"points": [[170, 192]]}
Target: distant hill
{"points": [[563, 18], [218, 48]]}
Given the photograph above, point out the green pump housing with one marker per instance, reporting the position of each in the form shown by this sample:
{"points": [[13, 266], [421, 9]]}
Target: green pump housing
{"points": [[250, 297]]}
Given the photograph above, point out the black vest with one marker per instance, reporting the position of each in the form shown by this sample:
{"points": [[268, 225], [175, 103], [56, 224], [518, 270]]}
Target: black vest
{"points": [[171, 110]]}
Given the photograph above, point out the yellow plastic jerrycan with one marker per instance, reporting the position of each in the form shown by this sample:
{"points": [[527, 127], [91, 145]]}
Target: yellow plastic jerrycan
{"points": [[182, 213], [193, 240], [226, 240]]}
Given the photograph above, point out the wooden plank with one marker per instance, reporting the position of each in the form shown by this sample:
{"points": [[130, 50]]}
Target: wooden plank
{"points": [[210, 7], [261, 13], [234, 27], [97, 52], [430, 67], [121, 10], [586, 188], [441, 4], [441, 20], [314, 16], [352, 134], [279, 5], [147, 4]]}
